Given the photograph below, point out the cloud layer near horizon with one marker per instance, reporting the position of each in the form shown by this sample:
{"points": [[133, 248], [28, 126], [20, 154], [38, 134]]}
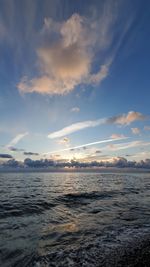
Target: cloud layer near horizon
{"points": [[117, 162]]}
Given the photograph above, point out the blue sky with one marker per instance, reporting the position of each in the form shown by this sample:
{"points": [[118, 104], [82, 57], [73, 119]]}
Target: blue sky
{"points": [[74, 79]]}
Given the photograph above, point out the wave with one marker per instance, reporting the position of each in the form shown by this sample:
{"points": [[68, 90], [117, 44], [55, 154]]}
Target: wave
{"points": [[24, 208], [130, 249], [84, 198]]}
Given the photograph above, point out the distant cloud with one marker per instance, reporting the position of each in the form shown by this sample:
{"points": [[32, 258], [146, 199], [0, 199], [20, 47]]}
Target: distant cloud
{"points": [[126, 119], [116, 136], [30, 154], [5, 156], [83, 145], [135, 130], [98, 151], [15, 140], [42, 163], [64, 141], [14, 149], [121, 146], [75, 109]]}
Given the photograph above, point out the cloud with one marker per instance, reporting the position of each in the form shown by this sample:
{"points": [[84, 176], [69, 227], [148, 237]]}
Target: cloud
{"points": [[43, 163], [121, 146], [126, 119], [5, 156], [65, 60], [30, 154], [83, 145], [101, 74], [75, 127], [116, 136], [68, 51], [15, 140], [64, 141], [75, 109], [12, 163], [98, 151], [117, 162], [135, 130], [14, 149]]}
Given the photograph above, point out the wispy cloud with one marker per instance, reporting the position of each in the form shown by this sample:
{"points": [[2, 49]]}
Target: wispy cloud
{"points": [[76, 127], [30, 154], [17, 138], [84, 145], [116, 147]]}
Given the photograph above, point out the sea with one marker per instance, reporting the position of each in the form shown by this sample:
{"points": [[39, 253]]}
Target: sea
{"points": [[74, 219]]}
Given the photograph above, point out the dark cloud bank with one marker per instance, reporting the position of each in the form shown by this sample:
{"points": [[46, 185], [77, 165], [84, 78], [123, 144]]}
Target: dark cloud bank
{"points": [[5, 156], [119, 162]]}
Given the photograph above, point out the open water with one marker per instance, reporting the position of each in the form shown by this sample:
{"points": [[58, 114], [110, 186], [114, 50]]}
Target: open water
{"points": [[74, 219]]}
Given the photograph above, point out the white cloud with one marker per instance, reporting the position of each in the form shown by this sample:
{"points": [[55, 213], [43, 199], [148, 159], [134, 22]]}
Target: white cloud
{"points": [[76, 127], [75, 109], [15, 140]]}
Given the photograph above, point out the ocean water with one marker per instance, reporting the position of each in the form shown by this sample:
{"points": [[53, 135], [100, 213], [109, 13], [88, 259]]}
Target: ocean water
{"points": [[74, 219]]}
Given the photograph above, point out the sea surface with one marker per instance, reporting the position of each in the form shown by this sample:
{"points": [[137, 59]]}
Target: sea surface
{"points": [[74, 219]]}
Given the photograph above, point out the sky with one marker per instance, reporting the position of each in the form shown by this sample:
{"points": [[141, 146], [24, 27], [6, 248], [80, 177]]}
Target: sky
{"points": [[74, 79]]}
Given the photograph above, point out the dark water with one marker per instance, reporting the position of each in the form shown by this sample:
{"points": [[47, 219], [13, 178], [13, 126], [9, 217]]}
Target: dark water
{"points": [[74, 219]]}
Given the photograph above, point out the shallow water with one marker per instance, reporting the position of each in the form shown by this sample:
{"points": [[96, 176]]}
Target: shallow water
{"points": [[72, 219]]}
